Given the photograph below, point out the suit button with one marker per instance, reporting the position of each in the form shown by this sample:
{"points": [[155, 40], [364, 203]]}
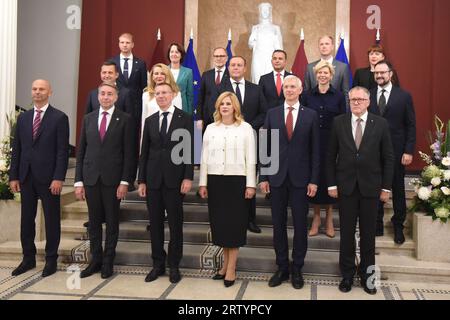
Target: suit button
{"points": [[321, 107]]}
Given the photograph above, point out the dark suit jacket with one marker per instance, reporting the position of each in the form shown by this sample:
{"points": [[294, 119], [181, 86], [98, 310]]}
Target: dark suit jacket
{"points": [[48, 155], [298, 158], [136, 82], [114, 159], [364, 78], [269, 89], [401, 118], [254, 106], [371, 167], [208, 92], [124, 101], [340, 81], [155, 165]]}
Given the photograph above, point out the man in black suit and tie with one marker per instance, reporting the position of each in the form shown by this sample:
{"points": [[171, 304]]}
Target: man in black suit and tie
{"points": [[360, 165], [164, 178], [110, 73], [296, 178], [40, 155], [133, 73], [396, 106], [106, 164], [253, 107], [210, 84], [272, 83]]}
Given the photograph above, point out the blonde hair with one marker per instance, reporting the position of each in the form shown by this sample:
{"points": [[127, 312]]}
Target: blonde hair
{"points": [[169, 80], [324, 64], [238, 117]]}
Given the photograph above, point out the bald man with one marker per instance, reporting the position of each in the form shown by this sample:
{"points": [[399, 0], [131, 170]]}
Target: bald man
{"points": [[39, 162]]}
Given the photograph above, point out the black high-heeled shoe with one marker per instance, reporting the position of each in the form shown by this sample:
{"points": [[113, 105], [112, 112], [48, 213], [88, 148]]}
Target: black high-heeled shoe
{"points": [[218, 276], [228, 283]]}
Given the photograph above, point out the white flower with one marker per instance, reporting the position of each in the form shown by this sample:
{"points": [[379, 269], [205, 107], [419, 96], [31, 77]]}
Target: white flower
{"points": [[446, 161], [424, 193], [436, 181], [442, 212], [3, 165], [445, 191], [446, 175]]}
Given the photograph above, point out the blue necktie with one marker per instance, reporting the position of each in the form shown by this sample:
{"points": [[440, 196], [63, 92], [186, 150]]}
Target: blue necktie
{"points": [[125, 69]]}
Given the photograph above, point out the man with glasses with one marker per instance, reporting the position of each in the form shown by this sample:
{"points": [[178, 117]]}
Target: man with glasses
{"points": [[396, 106], [359, 168], [210, 83]]}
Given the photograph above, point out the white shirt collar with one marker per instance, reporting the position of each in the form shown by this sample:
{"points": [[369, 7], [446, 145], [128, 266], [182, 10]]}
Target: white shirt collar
{"points": [[222, 70], [110, 111], [281, 73], [171, 110], [387, 88], [330, 60], [130, 58], [363, 117], [43, 109], [295, 106], [242, 81]]}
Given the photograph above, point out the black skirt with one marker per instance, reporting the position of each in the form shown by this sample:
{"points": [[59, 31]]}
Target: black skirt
{"points": [[228, 210]]}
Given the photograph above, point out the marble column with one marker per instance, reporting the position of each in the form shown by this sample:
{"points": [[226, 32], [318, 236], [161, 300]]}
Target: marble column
{"points": [[8, 59]]}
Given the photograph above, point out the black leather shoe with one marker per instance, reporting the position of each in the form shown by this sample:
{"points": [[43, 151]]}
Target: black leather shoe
{"points": [[23, 267], [252, 227], [399, 237], [49, 269], [218, 276], [297, 280], [107, 270], [345, 285], [92, 268], [368, 290], [228, 283], [154, 274], [174, 275], [86, 224], [278, 278]]}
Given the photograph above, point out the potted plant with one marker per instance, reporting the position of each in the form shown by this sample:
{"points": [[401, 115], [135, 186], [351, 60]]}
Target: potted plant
{"points": [[431, 203]]}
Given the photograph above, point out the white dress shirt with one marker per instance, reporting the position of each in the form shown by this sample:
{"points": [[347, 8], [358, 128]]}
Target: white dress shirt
{"points": [[175, 73], [387, 93], [294, 113], [171, 110], [241, 87], [229, 150], [222, 71], [43, 109], [281, 75], [130, 63]]}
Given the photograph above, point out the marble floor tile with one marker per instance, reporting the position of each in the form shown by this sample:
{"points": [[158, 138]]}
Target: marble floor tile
{"points": [[204, 289], [134, 286], [259, 290], [357, 293], [37, 296], [408, 286]]}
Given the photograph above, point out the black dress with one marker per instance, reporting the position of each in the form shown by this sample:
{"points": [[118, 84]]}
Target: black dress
{"points": [[327, 106], [228, 210]]}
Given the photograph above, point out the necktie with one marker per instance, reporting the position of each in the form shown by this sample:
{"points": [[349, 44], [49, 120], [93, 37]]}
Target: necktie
{"points": [[382, 102], [279, 84], [125, 68], [238, 92], [163, 131], [290, 123], [218, 77], [102, 130], [358, 133], [36, 123]]}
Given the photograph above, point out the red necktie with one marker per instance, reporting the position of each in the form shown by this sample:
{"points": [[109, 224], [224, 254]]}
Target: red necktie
{"points": [[218, 77], [36, 123], [103, 126], [279, 84], [290, 123]]}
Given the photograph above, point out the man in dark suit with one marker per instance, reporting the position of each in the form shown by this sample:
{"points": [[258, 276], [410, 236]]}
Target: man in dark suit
{"points": [[132, 73], [164, 178], [110, 73], [106, 164], [272, 83], [396, 106], [360, 164], [341, 78], [210, 83], [296, 178], [253, 107], [40, 155]]}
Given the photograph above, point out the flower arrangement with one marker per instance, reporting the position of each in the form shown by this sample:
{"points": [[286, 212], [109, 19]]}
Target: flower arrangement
{"points": [[433, 187], [5, 159]]}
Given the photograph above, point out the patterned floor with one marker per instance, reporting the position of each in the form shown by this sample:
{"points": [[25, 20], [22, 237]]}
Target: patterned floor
{"points": [[128, 283]]}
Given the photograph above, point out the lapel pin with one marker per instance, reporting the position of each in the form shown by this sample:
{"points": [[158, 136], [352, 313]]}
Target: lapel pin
{"points": [[117, 119]]}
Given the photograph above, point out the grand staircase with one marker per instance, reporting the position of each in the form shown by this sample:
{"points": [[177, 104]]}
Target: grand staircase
{"points": [[396, 262]]}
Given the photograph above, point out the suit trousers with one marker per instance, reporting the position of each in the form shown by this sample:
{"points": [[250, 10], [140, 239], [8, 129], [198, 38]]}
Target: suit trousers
{"points": [[103, 206], [398, 198], [352, 208], [159, 201], [279, 199], [31, 190]]}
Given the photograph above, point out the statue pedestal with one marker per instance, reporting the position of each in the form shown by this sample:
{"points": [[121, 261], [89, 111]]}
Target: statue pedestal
{"points": [[432, 238]]}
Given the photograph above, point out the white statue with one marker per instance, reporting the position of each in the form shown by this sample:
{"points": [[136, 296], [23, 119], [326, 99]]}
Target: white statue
{"points": [[264, 40]]}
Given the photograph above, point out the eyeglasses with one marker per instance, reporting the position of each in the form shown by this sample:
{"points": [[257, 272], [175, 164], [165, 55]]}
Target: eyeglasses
{"points": [[381, 72], [222, 56], [358, 100]]}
